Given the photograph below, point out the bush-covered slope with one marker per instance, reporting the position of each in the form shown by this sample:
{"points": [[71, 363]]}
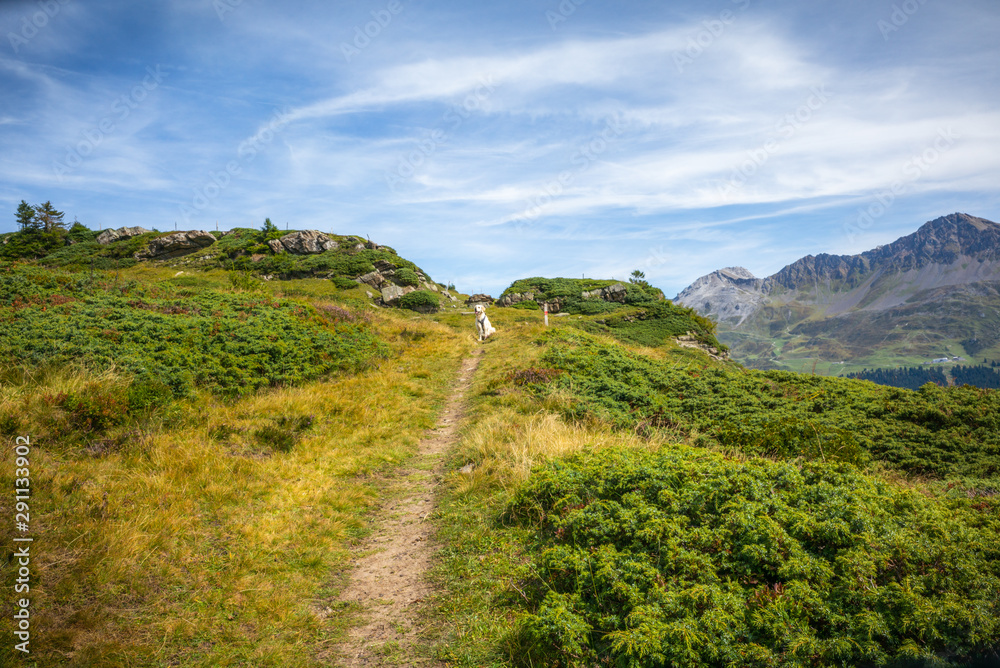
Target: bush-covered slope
{"points": [[933, 431], [653, 324], [242, 249], [682, 558], [215, 528], [650, 508], [231, 343], [569, 294]]}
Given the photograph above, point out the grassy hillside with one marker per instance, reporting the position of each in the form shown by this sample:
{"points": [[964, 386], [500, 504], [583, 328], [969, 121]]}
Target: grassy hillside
{"points": [[243, 250], [206, 449], [201, 460]]}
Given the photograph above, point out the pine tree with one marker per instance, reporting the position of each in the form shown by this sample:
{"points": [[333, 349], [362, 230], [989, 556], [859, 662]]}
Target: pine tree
{"points": [[50, 219], [26, 218], [270, 230]]}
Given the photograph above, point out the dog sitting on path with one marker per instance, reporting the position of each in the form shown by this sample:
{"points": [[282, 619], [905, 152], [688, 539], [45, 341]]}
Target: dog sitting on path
{"points": [[483, 326]]}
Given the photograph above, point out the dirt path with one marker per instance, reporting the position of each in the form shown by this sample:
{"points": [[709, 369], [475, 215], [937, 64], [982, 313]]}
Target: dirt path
{"points": [[389, 575]]}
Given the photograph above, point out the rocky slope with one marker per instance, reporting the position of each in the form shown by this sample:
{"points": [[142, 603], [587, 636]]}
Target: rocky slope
{"points": [[933, 290]]}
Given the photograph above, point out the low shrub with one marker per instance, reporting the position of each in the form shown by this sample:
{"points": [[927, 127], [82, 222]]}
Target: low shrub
{"points": [[420, 300], [406, 276], [682, 558]]}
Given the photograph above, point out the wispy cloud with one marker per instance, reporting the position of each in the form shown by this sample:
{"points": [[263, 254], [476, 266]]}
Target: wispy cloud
{"points": [[477, 132]]}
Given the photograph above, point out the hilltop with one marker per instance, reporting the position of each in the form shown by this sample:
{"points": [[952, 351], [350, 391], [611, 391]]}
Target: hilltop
{"points": [[932, 293], [358, 267]]}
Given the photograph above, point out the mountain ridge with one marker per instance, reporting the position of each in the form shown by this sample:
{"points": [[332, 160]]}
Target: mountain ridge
{"points": [[949, 263]]}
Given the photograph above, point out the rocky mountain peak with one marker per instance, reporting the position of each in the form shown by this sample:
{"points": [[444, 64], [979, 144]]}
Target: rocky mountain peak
{"points": [[957, 249]]}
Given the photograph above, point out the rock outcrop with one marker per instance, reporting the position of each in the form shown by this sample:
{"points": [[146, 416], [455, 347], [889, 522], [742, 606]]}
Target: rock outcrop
{"points": [[392, 292], [308, 242], [483, 299], [689, 340], [110, 236], [516, 298], [176, 244], [373, 278], [616, 292], [613, 293]]}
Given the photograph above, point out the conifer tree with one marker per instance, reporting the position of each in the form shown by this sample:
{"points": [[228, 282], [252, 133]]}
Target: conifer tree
{"points": [[50, 219], [26, 218]]}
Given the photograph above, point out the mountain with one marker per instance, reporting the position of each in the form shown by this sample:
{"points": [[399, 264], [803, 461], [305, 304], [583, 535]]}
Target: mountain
{"points": [[932, 293]]}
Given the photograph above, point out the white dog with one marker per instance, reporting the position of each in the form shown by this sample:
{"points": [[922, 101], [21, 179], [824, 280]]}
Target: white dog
{"points": [[483, 326]]}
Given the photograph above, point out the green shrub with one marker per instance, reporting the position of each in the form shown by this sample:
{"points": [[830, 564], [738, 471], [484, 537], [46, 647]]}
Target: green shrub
{"points": [[530, 305], [342, 283], [31, 245], [284, 433], [95, 409], [147, 392], [228, 343], [937, 432], [245, 282], [419, 300], [406, 276], [682, 558]]}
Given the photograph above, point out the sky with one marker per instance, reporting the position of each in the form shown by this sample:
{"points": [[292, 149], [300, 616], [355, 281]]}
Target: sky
{"points": [[489, 142]]}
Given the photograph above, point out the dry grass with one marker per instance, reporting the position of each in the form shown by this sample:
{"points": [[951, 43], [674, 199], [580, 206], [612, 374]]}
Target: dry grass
{"points": [[507, 444], [200, 542]]}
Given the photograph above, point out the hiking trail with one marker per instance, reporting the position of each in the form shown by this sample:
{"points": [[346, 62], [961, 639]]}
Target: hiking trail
{"points": [[388, 577]]}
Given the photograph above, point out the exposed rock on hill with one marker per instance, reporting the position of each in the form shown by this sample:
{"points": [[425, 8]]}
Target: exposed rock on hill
{"points": [[613, 293], [108, 236], [176, 244], [483, 299], [307, 242]]}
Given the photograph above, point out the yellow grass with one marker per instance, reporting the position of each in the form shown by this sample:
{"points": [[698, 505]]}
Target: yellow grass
{"points": [[196, 543], [504, 446]]}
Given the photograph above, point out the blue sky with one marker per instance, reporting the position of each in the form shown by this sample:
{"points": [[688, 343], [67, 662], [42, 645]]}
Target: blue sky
{"points": [[493, 141]]}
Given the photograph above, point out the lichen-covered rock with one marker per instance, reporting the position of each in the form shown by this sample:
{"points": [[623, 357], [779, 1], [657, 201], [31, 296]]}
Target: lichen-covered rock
{"points": [[372, 278], [391, 293], [483, 299], [110, 236], [613, 293], [176, 244], [308, 242]]}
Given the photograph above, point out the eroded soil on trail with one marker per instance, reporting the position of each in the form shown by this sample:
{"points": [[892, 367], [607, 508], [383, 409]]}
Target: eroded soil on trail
{"points": [[389, 574]]}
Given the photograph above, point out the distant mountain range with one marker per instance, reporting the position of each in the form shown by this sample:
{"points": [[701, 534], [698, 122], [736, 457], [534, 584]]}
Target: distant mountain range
{"points": [[930, 294]]}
